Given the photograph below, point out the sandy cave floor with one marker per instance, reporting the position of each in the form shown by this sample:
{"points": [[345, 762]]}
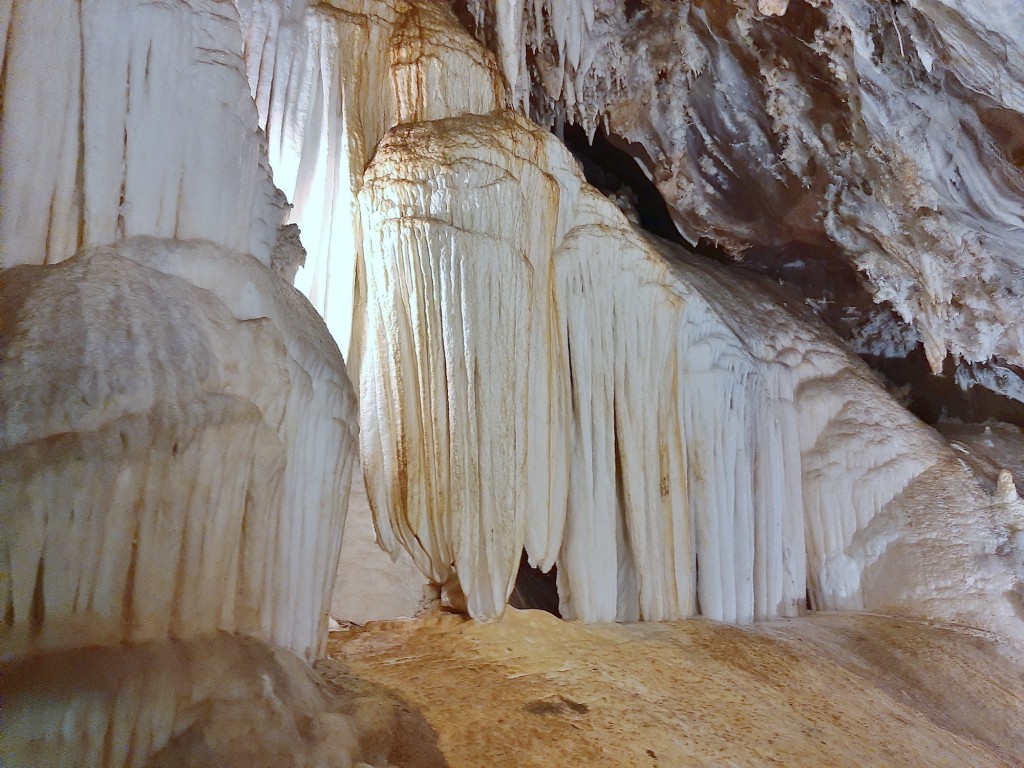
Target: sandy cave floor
{"points": [[829, 690]]}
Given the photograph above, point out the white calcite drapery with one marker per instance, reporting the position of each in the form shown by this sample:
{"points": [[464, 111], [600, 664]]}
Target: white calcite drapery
{"points": [[177, 427], [116, 116], [536, 373], [464, 506], [329, 79], [178, 439], [140, 131]]}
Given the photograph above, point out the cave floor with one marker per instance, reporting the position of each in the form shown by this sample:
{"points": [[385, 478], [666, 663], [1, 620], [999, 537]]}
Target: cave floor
{"points": [[828, 690]]}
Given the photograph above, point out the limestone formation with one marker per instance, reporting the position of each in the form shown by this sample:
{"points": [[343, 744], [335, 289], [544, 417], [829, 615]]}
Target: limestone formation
{"points": [[178, 442], [667, 434], [329, 79], [465, 509], [177, 428], [536, 374], [116, 116]]}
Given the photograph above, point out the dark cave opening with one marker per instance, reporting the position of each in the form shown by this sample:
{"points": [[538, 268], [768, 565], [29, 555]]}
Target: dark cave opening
{"points": [[611, 165], [632, 8], [535, 589], [938, 398], [614, 165]]}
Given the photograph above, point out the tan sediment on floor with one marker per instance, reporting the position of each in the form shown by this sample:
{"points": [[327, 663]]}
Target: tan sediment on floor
{"points": [[832, 690]]}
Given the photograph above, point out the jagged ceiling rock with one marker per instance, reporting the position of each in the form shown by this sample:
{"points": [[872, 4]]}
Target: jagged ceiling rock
{"points": [[889, 131], [177, 442], [537, 373]]}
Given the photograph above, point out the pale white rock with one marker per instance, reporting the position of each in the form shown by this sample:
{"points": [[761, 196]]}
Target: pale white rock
{"points": [[1006, 490], [994, 452], [773, 7], [177, 434], [458, 475], [125, 118], [538, 374], [288, 255], [329, 79]]}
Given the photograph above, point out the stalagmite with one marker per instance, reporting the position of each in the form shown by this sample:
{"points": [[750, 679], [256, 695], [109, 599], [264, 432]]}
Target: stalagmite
{"points": [[176, 448], [162, 456]]}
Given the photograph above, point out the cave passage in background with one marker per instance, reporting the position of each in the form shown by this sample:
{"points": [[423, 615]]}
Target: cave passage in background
{"points": [[609, 163], [535, 589]]}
